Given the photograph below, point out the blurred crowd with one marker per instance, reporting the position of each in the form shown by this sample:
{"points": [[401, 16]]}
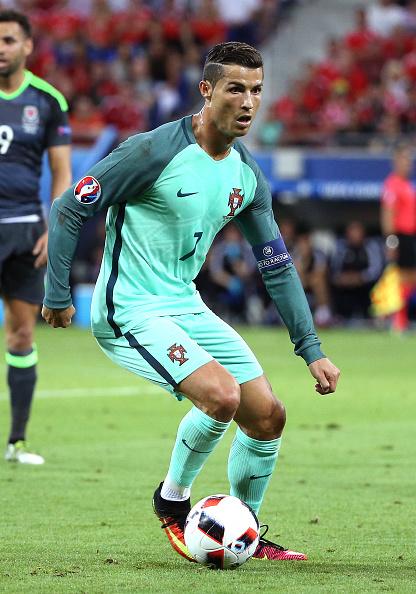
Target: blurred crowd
{"points": [[338, 273], [135, 64], [363, 93]]}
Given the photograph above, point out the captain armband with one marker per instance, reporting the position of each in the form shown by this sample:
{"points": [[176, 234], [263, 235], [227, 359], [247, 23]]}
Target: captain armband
{"points": [[272, 254]]}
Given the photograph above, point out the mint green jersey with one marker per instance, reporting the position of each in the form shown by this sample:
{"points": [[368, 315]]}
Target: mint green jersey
{"points": [[167, 231], [167, 199]]}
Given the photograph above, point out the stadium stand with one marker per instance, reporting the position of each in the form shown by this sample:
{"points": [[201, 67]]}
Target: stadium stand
{"points": [[361, 93], [341, 75], [134, 64]]}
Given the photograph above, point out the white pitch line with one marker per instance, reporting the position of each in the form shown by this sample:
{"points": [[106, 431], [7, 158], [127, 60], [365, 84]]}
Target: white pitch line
{"points": [[94, 392]]}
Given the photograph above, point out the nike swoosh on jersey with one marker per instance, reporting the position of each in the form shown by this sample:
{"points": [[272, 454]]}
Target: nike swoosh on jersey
{"points": [[181, 194], [192, 449], [253, 476]]}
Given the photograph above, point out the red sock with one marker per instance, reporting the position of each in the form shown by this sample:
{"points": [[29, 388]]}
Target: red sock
{"points": [[401, 318]]}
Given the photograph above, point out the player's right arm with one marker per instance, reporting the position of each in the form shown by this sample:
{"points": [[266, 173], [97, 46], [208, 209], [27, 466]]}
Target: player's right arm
{"points": [[120, 177], [388, 205]]}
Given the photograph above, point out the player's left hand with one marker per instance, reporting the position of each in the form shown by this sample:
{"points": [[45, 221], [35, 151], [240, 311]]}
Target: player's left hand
{"points": [[40, 250], [326, 374], [58, 318]]}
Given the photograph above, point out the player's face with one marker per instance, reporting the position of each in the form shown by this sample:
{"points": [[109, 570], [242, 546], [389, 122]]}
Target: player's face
{"points": [[14, 48], [235, 99], [403, 163]]}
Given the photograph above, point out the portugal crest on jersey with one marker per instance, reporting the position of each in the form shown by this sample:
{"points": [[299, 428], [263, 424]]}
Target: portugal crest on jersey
{"points": [[177, 352], [235, 200], [87, 190]]}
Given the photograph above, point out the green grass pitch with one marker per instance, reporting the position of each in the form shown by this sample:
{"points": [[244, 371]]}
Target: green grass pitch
{"points": [[344, 489]]}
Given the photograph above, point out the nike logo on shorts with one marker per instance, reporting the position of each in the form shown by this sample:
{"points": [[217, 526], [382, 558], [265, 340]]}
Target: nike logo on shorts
{"points": [[181, 194]]}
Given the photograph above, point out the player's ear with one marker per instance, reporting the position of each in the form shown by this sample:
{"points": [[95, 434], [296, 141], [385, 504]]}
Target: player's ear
{"points": [[28, 46], [205, 88]]}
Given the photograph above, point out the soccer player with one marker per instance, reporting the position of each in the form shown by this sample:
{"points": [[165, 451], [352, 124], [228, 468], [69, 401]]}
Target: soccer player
{"points": [[169, 192], [398, 223], [33, 118]]}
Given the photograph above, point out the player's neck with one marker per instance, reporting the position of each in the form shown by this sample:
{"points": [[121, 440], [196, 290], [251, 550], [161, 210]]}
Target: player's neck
{"points": [[402, 174], [10, 83], [209, 137]]}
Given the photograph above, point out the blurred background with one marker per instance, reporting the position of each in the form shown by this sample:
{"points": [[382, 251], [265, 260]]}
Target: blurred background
{"points": [[340, 94]]}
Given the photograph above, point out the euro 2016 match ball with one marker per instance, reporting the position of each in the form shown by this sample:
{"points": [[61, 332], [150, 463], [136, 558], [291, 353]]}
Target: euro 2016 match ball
{"points": [[221, 532]]}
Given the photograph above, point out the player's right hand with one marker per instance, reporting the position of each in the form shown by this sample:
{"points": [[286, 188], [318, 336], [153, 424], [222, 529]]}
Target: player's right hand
{"points": [[58, 318]]}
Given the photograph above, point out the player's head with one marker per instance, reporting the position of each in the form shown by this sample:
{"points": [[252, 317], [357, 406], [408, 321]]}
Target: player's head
{"points": [[402, 158], [231, 86], [15, 41]]}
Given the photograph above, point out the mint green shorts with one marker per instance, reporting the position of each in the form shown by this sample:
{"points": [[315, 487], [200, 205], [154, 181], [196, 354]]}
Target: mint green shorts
{"points": [[166, 349]]}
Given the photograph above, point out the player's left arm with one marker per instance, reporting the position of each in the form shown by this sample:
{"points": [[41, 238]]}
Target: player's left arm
{"points": [[58, 142], [60, 166], [258, 225]]}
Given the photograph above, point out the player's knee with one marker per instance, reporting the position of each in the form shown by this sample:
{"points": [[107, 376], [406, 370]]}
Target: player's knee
{"points": [[223, 399], [278, 420], [271, 424], [20, 338]]}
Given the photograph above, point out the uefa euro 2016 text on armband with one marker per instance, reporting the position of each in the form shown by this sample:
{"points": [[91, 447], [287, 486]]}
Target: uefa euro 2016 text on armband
{"points": [[279, 259]]}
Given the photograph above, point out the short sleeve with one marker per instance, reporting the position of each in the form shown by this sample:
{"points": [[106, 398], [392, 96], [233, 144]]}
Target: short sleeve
{"points": [[58, 131]]}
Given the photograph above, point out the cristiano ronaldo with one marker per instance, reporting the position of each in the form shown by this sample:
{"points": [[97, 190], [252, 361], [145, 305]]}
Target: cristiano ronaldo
{"points": [[169, 192]]}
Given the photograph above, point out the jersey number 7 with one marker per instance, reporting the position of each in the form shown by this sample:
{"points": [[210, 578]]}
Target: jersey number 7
{"points": [[198, 236]]}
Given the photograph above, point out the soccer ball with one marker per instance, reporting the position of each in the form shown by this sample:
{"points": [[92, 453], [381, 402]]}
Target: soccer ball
{"points": [[221, 532]]}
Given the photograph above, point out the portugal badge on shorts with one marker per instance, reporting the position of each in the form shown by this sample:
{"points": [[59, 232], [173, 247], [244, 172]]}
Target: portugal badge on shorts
{"points": [[87, 190], [235, 200], [177, 352]]}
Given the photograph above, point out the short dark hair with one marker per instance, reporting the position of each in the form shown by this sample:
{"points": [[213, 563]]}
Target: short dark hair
{"points": [[12, 16], [230, 52]]}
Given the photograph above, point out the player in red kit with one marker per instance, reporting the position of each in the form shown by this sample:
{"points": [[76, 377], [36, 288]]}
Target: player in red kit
{"points": [[398, 223]]}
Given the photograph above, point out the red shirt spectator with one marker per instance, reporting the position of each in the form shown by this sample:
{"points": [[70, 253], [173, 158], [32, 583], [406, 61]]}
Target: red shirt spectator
{"points": [[100, 28], [284, 109], [86, 121], [209, 32], [409, 63], [352, 73], [132, 26], [399, 196], [124, 112], [362, 37], [207, 26], [399, 44], [61, 24]]}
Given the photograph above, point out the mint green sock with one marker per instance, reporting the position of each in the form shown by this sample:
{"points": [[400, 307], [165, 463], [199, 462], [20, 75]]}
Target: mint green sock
{"points": [[197, 436], [250, 465]]}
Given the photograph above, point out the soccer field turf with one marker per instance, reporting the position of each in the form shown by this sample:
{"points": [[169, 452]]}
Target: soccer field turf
{"points": [[344, 490]]}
